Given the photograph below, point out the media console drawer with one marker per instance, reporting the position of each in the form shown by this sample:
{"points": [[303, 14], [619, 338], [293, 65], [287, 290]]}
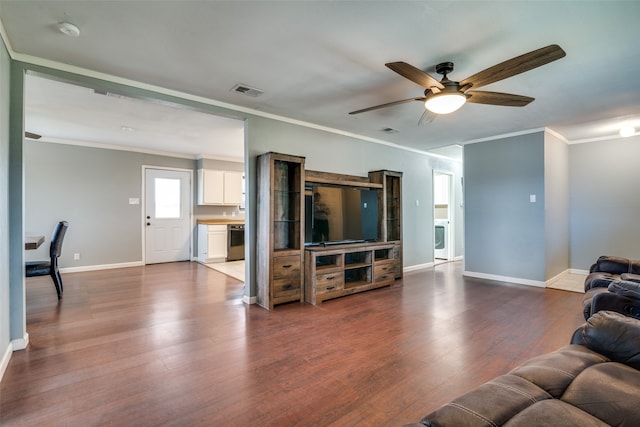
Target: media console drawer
{"points": [[384, 271], [284, 289], [286, 266], [330, 281]]}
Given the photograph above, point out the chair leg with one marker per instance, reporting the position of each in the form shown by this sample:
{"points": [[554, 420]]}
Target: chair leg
{"points": [[60, 281], [57, 284]]}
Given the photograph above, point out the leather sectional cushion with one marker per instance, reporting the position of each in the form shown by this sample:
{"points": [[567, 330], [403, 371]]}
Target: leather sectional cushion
{"points": [[491, 404], [630, 277], [593, 389], [553, 372], [554, 413], [616, 265], [613, 335], [625, 288]]}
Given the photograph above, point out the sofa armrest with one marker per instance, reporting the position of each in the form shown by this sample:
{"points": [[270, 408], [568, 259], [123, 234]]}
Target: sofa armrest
{"points": [[613, 335], [608, 301]]}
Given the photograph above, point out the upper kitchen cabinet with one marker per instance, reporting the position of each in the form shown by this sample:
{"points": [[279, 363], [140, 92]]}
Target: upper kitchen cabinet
{"points": [[219, 187]]}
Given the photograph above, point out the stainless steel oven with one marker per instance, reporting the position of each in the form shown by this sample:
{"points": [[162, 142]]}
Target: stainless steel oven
{"points": [[235, 242]]}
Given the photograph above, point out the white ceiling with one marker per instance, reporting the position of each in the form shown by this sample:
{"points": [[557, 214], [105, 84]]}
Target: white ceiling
{"points": [[318, 60], [62, 112]]}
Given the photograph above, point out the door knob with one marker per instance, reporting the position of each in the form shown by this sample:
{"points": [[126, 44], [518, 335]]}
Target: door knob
{"points": [[148, 223], [148, 217]]}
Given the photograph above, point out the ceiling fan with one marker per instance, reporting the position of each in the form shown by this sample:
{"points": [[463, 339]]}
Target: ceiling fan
{"points": [[446, 96]]}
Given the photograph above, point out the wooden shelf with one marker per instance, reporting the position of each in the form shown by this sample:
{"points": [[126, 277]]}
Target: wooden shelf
{"points": [[280, 229], [390, 212], [356, 269]]}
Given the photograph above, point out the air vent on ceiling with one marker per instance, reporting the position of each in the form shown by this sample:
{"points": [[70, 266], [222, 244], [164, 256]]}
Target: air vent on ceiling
{"points": [[390, 130], [247, 90], [32, 135]]}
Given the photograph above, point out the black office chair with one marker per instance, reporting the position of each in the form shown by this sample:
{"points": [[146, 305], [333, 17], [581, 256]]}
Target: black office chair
{"points": [[50, 268]]}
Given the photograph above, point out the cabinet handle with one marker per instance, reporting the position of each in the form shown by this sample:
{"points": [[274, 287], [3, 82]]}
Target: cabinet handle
{"points": [[287, 266], [330, 288], [287, 286], [330, 278]]}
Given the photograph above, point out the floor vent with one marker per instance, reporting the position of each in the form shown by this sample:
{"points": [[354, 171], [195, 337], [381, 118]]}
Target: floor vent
{"points": [[247, 90]]}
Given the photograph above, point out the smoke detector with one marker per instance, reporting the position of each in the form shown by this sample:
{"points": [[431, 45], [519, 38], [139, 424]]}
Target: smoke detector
{"points": [[68, 29], [389, 130], [247, 90]]}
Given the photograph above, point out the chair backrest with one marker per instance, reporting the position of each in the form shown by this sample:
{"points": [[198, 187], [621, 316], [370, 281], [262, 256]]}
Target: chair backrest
{"points": [[56, 239]]}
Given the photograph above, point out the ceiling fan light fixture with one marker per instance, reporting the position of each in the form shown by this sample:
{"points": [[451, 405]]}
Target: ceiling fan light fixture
{"points": [[445, 103], [626, 131]]}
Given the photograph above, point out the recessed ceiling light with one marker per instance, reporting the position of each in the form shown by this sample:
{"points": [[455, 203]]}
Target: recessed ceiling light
{"points": [[68, 29], [124, 128], [627, 131]]}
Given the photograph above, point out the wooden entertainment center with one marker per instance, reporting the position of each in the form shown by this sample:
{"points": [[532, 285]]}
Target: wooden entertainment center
{"points": [[288, 271]]}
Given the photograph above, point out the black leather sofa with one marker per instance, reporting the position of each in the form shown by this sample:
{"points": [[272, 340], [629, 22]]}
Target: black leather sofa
{"points": [[594, 381], [607, 269], [613, 275]]}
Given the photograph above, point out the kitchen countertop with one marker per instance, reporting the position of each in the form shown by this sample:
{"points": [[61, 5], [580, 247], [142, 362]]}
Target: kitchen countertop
{"points": [[220, 221]]}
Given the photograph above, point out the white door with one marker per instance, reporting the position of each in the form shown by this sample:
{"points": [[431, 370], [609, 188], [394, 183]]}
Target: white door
{"points": [[167, 215], [442, 214]]}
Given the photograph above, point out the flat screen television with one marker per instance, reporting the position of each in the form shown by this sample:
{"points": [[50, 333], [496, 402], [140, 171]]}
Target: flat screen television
{"points": [[335, 214]]}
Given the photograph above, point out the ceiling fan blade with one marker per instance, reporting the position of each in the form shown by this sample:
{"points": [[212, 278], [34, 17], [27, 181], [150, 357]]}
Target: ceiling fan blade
{"points": [[32, 135], [426, 118], [497, 98], [415, 75], [388, 104], [516, 65]]}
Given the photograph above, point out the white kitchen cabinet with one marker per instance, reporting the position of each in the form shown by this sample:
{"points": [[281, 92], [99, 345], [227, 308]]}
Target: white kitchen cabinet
{"points": [[219, 187], [212, 243], [232, 188]]}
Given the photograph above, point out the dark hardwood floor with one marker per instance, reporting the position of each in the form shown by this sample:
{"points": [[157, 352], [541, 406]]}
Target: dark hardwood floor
{"points": [[173, 345]]}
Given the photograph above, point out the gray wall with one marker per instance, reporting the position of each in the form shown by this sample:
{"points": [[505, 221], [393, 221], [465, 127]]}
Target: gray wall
{"points": [[504, 232], [90, 188], [5, 65], [556, 205], [604, 200]]}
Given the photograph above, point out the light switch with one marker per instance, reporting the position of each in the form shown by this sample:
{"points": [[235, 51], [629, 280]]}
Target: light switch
{"points": [[532, 198], [134, 201]]}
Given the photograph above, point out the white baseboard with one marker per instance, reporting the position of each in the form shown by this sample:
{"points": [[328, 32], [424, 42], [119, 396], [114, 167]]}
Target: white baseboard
{"points": [[14, 345], [20, 343], [249, 300], [576, 271], [418, 267], [4, 362], [555, 278], [516, 280], [101, 267]]}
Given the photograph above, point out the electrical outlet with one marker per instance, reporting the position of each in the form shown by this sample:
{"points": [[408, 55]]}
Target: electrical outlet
{"points": [[76, 256]]}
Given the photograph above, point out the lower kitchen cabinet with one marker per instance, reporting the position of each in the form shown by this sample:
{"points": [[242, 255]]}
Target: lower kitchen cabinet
{"points": [[212, 243]]}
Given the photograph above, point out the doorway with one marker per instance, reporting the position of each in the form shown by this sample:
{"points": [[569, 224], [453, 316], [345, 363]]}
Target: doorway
{"points": [[443, 216], [167, 215]]}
